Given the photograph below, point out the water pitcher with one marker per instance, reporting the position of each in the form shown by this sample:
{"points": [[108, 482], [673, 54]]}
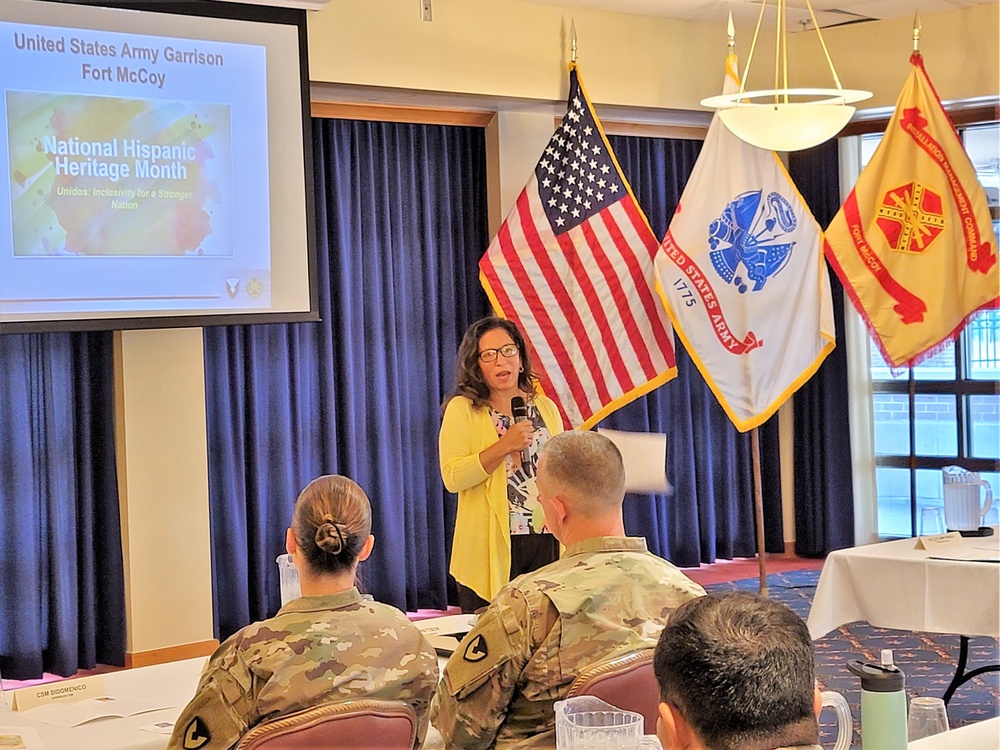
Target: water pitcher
{"points": [[588, 723], [964, 501]]}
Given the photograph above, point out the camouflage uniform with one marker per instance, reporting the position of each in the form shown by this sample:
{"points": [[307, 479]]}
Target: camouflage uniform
{"points": [[317, 649], [606, 597]]}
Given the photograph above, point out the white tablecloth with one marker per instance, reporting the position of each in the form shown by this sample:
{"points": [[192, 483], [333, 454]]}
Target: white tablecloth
{"points": [[895, 585], [983, 735], [174, 683]]}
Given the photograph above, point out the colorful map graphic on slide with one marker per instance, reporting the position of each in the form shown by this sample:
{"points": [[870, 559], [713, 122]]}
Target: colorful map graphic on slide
{"points": [[96, 175]]}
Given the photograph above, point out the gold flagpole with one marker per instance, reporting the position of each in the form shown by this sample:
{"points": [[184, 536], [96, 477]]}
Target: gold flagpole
{"points": [[758, 504], [758, 499]]}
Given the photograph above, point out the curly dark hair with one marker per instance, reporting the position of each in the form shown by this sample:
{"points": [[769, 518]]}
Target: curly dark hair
{"points": [[469, 380]]}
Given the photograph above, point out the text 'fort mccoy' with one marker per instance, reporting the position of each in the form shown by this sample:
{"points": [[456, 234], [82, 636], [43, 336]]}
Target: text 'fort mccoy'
{"points": [[167, 55], [117, 159]]}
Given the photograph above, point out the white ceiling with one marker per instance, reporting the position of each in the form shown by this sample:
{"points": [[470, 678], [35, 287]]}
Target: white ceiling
{"points": [[745, 12]]}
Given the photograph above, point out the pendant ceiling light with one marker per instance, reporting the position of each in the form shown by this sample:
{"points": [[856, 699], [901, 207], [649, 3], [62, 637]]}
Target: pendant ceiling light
{"points": [[783, 118]]}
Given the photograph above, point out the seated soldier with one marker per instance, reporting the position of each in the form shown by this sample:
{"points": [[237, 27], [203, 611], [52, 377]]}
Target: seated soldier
{"points": [[736, 673], [328, 646], [606, 597]]}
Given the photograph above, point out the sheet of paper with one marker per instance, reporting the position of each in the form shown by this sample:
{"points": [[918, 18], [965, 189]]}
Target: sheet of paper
{"points": [[968, 554], [20, 738], [160, 727], [973, 549], [447, 625], [645, 457], [74, 714]]}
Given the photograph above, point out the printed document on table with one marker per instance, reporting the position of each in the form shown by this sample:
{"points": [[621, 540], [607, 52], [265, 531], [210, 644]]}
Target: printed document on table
{"points": [[74, 714], [985, 550], [160, 727], [20, 738]]}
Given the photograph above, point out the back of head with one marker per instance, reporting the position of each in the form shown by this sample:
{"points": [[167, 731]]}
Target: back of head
{"points": [[331, 523], [739, 668], [585, 469]]}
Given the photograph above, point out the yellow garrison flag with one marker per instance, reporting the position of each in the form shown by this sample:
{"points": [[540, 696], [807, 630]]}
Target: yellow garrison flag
{"points": [[913, 243]]}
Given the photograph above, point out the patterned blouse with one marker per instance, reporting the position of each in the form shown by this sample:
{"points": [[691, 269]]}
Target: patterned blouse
{"points": [[526, 515]]}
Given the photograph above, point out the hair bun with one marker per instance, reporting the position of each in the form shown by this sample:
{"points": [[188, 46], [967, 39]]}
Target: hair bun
{"points": [[331, 537]]}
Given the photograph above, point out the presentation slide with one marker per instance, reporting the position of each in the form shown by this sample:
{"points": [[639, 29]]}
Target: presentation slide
{"points": [[137, 168], [100, 176]]}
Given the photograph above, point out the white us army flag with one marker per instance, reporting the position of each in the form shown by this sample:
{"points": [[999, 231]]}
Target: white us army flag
{"points": [[742, 275]]}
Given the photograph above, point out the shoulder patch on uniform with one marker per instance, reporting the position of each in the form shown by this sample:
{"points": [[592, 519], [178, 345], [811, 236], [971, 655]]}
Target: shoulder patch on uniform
{"points": [[482, 652], [477, 650], [196, 734]]}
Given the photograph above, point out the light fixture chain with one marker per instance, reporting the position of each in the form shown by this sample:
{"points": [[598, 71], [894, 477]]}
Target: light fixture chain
{"points": [[819, 33], [784, 47], [753, 46]]}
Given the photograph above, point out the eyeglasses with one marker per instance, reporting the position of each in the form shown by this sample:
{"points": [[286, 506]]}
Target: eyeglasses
{"points": [[508, 351]]}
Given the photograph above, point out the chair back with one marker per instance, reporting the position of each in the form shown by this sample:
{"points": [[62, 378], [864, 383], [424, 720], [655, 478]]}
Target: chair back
{"points": [[365, 724], [626, 682]]}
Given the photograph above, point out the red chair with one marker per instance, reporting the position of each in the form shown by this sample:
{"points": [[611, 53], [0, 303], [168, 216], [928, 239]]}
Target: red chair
{"points": [[626, 682], [365, 724]]}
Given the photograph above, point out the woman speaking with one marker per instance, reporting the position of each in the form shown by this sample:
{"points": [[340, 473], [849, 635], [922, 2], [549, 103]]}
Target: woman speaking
{"points": [[494, 423]]}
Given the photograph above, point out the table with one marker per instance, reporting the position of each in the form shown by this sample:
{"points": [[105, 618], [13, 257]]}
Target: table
{"points": [[896, 585], [174, 682], [983, 735]]}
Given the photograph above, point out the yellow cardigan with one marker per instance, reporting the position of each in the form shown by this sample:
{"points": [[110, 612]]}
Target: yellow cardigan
{"points": [[480, 551]]}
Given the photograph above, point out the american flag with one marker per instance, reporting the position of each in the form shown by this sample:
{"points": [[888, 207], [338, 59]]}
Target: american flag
{"points": [[572, 265]]}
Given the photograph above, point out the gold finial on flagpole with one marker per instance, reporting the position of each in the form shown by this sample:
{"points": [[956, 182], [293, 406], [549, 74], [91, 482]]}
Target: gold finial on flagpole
{"points": [[916, 31], [572, 37], [731, 30]]}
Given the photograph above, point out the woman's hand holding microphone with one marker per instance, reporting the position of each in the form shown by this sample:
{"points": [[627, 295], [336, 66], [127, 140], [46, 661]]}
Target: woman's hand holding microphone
{"points": [[518, 438]]}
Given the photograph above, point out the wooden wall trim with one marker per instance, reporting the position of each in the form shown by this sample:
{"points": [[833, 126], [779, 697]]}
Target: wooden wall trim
{"points": [[960, 116], [171, 653], [480, 119], [395, 113], [653, 130]]}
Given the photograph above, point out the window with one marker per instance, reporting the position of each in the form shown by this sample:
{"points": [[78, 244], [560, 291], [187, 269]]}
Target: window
{"points": [[945, 411]]}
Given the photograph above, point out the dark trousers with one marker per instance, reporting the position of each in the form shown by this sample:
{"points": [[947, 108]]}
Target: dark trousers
{"points": [[528, 552]]}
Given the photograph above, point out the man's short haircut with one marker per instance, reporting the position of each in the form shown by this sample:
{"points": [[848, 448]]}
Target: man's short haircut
{"points": [[588, 468], [738, 667]]}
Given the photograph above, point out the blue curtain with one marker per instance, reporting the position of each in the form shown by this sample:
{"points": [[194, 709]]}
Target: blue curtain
{"points": [[401, 224], [824, 493], [710, 513], [62, 593], [401, 218]]}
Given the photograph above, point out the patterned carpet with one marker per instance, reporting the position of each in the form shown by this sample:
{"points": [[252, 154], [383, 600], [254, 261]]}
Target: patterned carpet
{"points": [[927, 659]]}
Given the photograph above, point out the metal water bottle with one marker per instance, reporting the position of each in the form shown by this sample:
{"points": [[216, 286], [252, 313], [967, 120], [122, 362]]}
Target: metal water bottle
{"points": [[883, 704]]}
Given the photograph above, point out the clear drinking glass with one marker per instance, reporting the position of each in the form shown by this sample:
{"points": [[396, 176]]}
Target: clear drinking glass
{"points": [[928, 716], [931, 521]]}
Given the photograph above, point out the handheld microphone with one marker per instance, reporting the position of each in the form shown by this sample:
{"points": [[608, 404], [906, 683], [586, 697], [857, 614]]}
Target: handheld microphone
{"points": [[519, 411]]}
